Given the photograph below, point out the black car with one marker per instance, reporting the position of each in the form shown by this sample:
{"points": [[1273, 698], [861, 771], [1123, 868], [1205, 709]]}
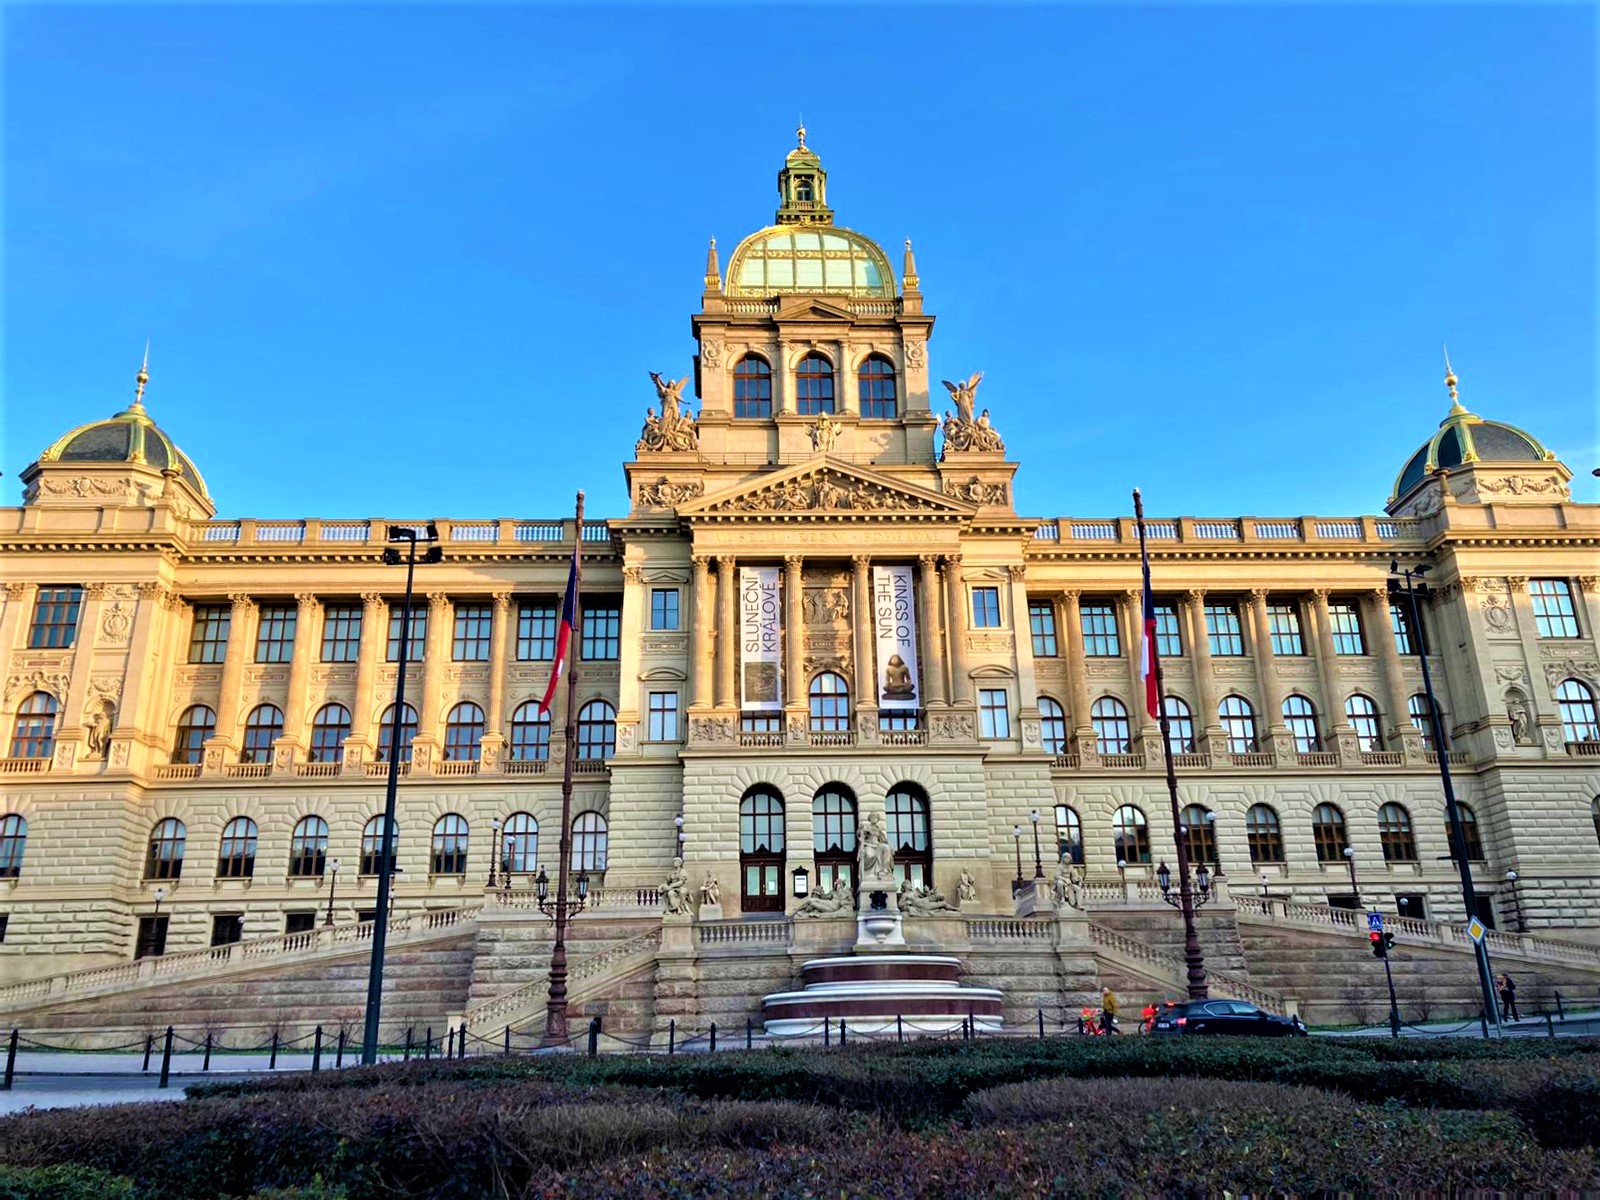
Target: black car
{"points": [[1225, 1016]]}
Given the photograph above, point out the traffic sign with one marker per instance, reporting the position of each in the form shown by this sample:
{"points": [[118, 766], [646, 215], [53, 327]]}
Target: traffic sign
{"points": [[1375, 921], [1476, 930]]}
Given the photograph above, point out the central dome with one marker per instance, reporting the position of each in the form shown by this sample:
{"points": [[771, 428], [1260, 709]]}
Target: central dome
{"points": [[802, 258]]}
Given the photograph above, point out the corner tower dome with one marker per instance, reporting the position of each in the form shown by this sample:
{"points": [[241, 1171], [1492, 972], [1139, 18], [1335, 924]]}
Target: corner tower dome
{"points": [[804, 251]]}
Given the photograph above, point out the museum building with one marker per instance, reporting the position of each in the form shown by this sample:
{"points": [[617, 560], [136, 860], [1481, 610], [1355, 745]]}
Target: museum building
{"points": [[820, 603]]}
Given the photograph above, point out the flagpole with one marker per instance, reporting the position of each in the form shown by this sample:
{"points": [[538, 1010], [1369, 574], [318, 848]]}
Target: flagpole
{"points": [[1193, 956], [555, 1022]]}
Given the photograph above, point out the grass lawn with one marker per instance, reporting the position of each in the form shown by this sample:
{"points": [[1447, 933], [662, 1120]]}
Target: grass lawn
{"points": [[995, 1119]]}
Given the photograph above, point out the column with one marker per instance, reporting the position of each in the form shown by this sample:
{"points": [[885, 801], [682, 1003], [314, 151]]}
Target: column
{"points": [[1205, 684], [727, 634], [1132, 620], [494, 734], [794, 634], [861, 621], [1027, 680], [701, 649], [1328, 670], [1077, 685], [434, 657], [241, 644], [933, 663], [295, 717], [374, 638], [1267, 672], [960, 680], [1376, 602]]}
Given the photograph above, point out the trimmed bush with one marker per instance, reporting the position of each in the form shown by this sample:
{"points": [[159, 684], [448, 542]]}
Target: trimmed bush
{"points": [[62, 1182]]}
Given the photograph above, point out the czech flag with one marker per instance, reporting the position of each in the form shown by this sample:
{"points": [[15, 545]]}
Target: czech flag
{"points": [[569, 615], [1147, 659]]}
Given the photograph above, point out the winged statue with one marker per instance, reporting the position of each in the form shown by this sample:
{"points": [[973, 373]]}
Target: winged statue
{"points": [[964, 394], [671, 396]]}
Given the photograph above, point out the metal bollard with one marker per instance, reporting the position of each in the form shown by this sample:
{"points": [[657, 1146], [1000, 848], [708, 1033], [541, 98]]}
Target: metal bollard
{"points": [[1560, 1008], [205, 1063], [1483, 1020], [273, 1065], [672, 1036], [899, 1028], [166, 1059], [316, 1051], [338, 1060], [1550, 1024], [827, 1031], [1041, 1024], [749, 1033], [461, 1042], [594, 1036], [11, 1062], [149, 1045], [410, 1036], [713, 1037], [843, 1033], [506, 1053], [427, 1044], [449, 1042]]}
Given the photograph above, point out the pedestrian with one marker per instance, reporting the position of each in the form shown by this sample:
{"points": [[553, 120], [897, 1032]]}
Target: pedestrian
{"points": [[1108, 1010], [1148, 1018], [1508, 998]]}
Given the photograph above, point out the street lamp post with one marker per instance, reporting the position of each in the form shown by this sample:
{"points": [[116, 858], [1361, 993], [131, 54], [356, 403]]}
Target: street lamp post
{"points": [[1016, 837], [1350, 861], [494, 854], [333, 885], [412, 536], [1413, 587], [1038, 860], [1516, 905]]}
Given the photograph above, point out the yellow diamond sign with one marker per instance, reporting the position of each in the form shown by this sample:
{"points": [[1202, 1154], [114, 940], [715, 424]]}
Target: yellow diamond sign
{"points": [[1475, 930]]}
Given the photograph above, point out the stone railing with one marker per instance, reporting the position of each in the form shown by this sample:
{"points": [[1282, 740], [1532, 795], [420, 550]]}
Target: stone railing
{"points": [[1415, 930], [251, 770], [599, 897], [1456, 758], [1175, 970], [760, 741], [725, 933], [171, 771], [252, 532], [317, 770], [466, 766], [1317, 758], [194, 964], [1247, 530], [903, 737], [24, 766], [1382, 758], [841, 738], [506, 1008], [1008, 929], [525, 766], [1584, 749], [1252, 759]]}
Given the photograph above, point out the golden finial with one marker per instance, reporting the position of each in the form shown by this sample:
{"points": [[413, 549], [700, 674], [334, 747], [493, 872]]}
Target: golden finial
{"points": [[713, 268], [800, 133], [1450, 382], [910, 282], [143, 377]]}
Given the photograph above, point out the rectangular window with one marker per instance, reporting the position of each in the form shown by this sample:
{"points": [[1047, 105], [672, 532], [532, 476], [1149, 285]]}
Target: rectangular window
{"points": [[1409, 638], [1553, 612], [664, 608], [993, 717], [208, 637], [536, 632], [663, 726], [226, 928], [1284, 622], [602, 632], [1222, 631], [299, 922], [151, 940], [1100, 639], [985, 608], [416, 643], [341, 633], [473, 633], [5, 919], [1169, 635], [1042, 621], [55, 617], [1345, 620], [275, 636]]}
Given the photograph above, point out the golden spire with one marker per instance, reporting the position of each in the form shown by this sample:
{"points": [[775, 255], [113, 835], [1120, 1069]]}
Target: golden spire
{"points": [[713, 268], [910, 282], [800, 133], [142, 378], [1450, 381]]}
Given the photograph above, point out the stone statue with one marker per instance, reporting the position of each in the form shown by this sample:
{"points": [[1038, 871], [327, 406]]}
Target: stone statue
{"points": [[897, 681], [711, 890], [877, 859], [1067, 887], [671, 395], [963, 393], [824, 433], [675, 892], [98, 734], [966, 888], [963, 431], [674, 429], [824, 902], [1517, 710], [922, 901]]}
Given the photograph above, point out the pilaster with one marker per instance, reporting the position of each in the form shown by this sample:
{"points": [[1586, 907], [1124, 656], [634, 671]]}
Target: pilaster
{"points": [[286, 751], [1205, 684], [956, 609], [702, 651], [933, 662], [374, 636], [241, 640], [1082, 728], [494, 735], [727, 633]]}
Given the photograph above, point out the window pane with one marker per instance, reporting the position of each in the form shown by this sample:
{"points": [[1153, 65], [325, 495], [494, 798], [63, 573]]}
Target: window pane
{"points": [[208, 638], [877, 389], [1100, 631], [752, 388], [275, 635], [813, 382], [474, 631], [602, 632], [1052, 726], [1169, 638], [1110, 721], [597, 730], [985, 607], [993, 717], [1284, 622], [1042, 624], [55, 617], [663, 723], [341, 633], [1222, 631], [1346, 625], [664, 608], [536, 633], [1406, 639], [1553, 612], [416, 643]]}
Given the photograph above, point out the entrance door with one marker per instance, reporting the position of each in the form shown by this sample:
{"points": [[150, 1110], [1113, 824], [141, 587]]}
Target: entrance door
{"points": [[907, 811], [152, 939], [761, 851]]}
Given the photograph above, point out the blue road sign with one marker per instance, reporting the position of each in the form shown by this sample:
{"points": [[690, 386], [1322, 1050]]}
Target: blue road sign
{"points": [[1375, 922]]}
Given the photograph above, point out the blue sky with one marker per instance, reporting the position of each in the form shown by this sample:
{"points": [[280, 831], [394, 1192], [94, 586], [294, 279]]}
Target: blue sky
{"points": [[415, 261]]}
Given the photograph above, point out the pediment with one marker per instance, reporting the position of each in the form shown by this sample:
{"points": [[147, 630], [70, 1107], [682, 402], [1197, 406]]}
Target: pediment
{"points": [[824, 486], [810, 308]]}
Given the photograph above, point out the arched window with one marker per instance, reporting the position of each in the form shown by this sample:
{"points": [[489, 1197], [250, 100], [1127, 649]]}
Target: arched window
{"points": [[519, 844], [35, 732], [372, 845], [761, 856], [907, 811], [830, 703], [1265, 835], [1578, 720], [597, 730], [164, 859], [1327, 831], [1069, 835], [1362, 713], [1301, 718], [308, 848], [1052, 726], [833, 838], [1110, 721], [875, 380], [263, 727], [463, 735], [1470, 833], [197, 726], [1130, 833], [530, 733], [1594, 811], [236, 857], [13, 841], [408, 733], [449, 855], [1180, 726], [1200, 824], [813, 385], [589, 835], [752, 387], [1421, 712], [1394, 831], [329, 728], [1239, 723]]}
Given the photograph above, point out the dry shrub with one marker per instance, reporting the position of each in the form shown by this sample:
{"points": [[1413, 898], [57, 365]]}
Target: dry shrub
{"points": [[1090, 1099]]}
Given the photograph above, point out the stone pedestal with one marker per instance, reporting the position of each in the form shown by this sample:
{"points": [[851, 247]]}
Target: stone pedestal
{"points": [[878, 921], [1034, 899], [710, 912]]}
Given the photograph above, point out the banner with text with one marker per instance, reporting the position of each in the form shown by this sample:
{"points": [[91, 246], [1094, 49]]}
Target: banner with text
{"points": [[894, 627], [760, 640]]}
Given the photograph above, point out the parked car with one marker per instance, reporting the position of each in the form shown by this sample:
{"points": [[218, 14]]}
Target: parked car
{"points": [[1227, 1017]]}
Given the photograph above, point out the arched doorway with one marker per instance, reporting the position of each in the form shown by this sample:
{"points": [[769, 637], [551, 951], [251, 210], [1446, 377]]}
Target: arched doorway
{"points": [[761, 846], [906, 809], [833, 838]]}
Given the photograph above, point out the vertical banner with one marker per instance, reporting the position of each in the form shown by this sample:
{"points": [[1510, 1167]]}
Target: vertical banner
{"points": [[760, 640], [894, 627]]}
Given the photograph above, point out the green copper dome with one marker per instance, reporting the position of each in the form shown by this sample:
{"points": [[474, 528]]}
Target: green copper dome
{"points": [[129, 436], [1464, 437]]}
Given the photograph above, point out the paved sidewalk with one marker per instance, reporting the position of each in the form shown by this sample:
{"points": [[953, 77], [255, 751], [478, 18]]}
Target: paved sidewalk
{"points": [[1577, 1024]]}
